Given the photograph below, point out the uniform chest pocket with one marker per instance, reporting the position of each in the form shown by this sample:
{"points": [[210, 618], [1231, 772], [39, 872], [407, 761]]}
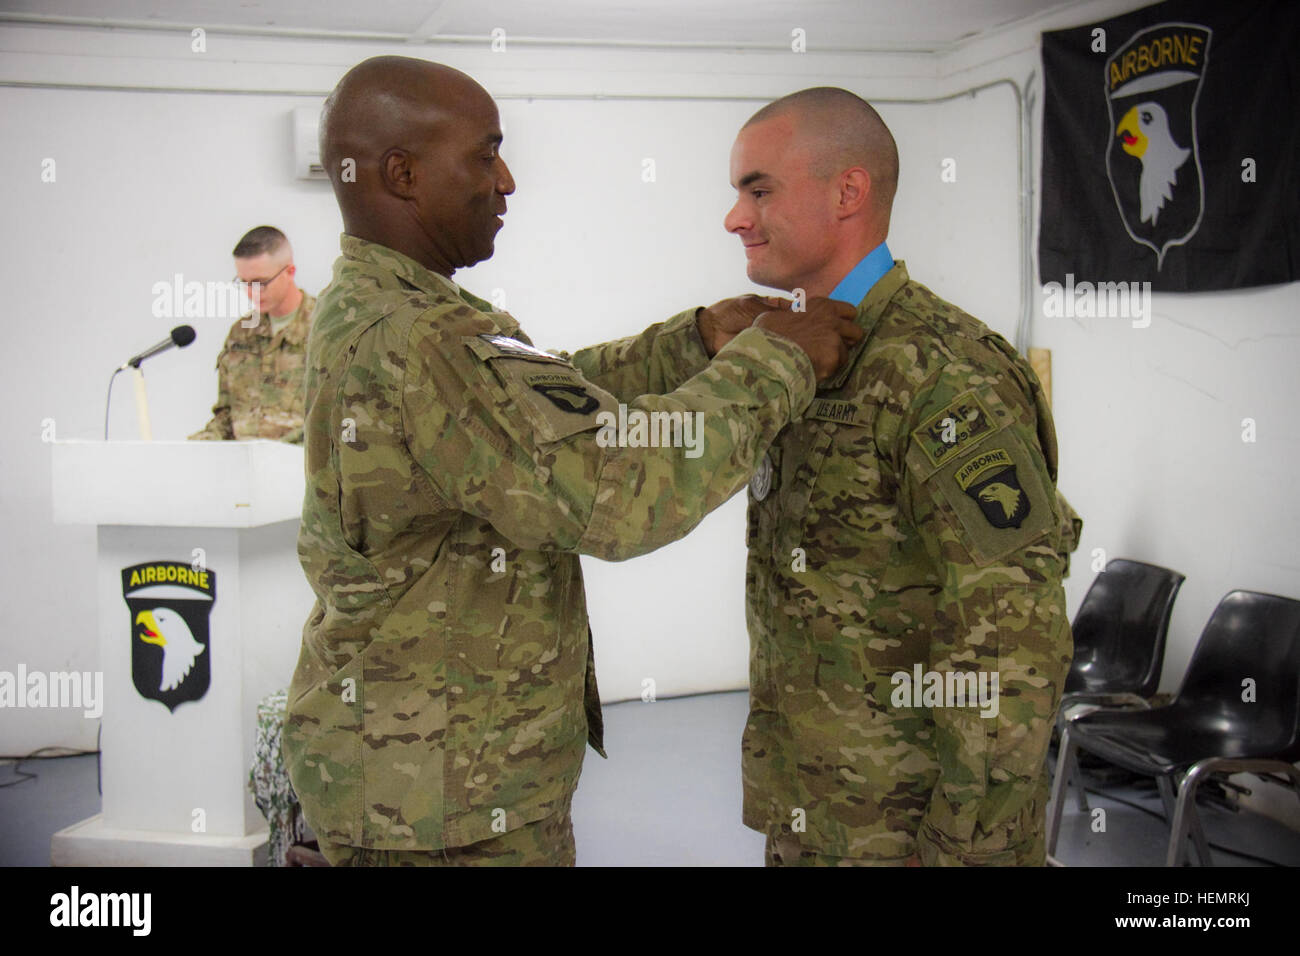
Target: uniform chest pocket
{"points": [[803, 450]]}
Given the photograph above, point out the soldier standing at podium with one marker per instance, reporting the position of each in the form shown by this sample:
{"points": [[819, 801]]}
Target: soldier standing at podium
{"points": [[260, 368]]}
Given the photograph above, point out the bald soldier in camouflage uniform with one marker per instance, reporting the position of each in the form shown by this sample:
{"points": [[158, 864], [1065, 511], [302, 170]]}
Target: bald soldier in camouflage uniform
{"points": [[260, 367], [906, 547], [446, 689]]}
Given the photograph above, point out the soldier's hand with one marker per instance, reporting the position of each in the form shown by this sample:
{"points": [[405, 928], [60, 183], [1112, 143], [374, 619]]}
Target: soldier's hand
{"points": [[727, 318], [825, 331]]}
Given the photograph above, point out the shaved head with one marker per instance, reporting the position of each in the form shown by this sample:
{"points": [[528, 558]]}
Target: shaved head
{"points": [[815, 174], [841, 130], [411, 149]]}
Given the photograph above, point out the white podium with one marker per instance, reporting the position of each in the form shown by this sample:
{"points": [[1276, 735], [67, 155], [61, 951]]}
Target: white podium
{"points": [[201, 604]]}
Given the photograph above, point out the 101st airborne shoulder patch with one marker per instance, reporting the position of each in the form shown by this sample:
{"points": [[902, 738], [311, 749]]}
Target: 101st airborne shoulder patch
{"points": [[528, 375], [997, 497], [962, 424], [565, 392], [990, 480]]}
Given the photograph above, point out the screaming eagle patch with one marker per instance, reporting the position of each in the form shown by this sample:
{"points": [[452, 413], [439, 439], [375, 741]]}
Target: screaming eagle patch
{"points": [[565, 392], [990, 481], [169, 603]]}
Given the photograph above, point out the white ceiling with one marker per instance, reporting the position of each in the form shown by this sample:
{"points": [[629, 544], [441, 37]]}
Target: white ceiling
{"points": [[838, 24]]}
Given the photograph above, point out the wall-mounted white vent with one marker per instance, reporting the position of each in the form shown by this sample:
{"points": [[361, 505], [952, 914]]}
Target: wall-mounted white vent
{"points": [[306, 144]]}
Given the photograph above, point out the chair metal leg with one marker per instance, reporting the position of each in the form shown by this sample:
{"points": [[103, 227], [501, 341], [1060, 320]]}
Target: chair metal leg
{"points": [[1198, 834], [1077, 776], [1186, 821], [1186, 816], [1167, 796], [1118, 701], [1064, 758], [1182, 817]]}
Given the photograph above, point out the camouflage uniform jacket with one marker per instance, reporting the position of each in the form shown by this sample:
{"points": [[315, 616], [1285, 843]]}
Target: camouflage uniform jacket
{"points": [[260, 380], [911, 526], [445, 689]]}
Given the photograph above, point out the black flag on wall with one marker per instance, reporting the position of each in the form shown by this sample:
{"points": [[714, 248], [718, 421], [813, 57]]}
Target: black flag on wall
{"points": [[1171, 148]]}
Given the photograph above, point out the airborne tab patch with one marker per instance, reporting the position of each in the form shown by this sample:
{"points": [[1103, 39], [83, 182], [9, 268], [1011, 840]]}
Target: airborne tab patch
{"points": [[990, 480], [963, 424]]}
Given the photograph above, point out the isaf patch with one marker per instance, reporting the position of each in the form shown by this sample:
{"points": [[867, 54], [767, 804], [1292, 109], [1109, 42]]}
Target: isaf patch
{"points": [[964, 423], [989, 479]]}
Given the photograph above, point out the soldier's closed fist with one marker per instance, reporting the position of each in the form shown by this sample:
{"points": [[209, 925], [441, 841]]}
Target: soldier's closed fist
{"points": [[727, 318], [825, 331]]}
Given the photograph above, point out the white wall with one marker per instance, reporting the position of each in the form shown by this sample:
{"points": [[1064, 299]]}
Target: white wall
{"points": [[152, 183]]}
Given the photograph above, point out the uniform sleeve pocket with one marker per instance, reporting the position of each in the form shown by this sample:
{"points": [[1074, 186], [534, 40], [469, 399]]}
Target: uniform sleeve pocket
{"points": [[993, 498], [551, 394]]}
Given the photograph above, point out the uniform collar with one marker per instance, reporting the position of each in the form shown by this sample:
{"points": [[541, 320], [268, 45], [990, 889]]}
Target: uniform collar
{"points": [[402, 266], [295, 330], [298, 327], [426, 280], [871, 307], [854, 287]]}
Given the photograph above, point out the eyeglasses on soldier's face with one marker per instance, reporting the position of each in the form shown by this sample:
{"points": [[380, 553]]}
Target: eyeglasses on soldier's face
{"points": [[261, 282]]}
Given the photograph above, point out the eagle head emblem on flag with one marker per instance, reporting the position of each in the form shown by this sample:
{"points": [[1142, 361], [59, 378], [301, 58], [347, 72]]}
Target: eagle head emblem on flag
{"points": [[1152, 83], [169, 603]]}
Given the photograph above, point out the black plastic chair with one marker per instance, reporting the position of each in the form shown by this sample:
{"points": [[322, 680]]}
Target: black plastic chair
{"points": [[1120, 629], [1119, 641], [1238, 711]]}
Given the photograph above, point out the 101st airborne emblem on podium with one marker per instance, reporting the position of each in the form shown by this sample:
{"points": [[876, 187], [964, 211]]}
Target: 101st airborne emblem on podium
{"points": [[169, 604]]}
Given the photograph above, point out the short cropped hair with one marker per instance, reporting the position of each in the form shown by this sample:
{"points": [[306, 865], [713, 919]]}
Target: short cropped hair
{"points": [[260, 240], [844, 130]]}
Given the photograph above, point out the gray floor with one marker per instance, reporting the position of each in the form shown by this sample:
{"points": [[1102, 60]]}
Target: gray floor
{"points": [[64, 791], [669, 795]]}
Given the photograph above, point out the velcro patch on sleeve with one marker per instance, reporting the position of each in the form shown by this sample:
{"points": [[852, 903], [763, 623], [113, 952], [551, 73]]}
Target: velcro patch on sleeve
{"points": [[989, 479], [550, 392], [568, 393], [996, 497], [960, 426]]}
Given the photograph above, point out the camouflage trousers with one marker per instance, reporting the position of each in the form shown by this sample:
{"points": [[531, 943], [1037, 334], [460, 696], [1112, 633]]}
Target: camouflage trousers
{"points": [[544, 842], [784, 849]]}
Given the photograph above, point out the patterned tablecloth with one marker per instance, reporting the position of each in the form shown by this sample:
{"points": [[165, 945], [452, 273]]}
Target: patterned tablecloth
{"points": [[269, 781]]}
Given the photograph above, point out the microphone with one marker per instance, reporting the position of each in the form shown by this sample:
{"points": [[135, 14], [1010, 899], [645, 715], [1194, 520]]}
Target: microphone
{"points": [[181, 336]]}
